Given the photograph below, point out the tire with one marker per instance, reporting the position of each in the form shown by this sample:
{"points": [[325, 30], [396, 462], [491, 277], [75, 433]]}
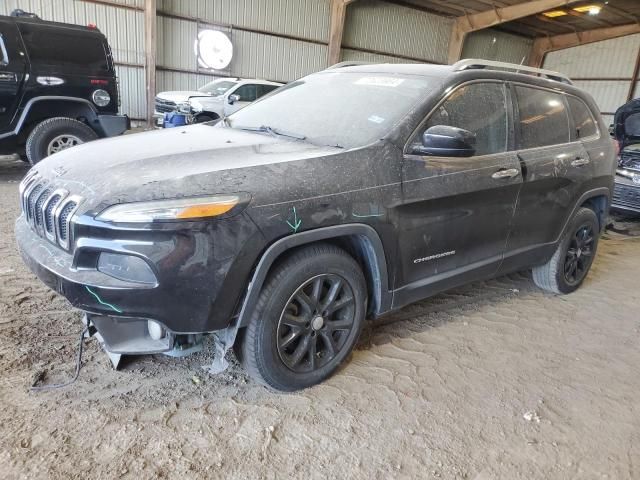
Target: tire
{"points": [[553, 276], [282, 326], [56, 134]]}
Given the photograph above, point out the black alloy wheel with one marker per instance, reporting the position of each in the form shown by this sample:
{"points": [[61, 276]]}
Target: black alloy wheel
{"points": [[579, 255], [316, 323]]}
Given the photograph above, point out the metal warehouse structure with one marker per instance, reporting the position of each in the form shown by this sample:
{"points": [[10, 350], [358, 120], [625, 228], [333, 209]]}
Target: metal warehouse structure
{"points": [[284, 39]]}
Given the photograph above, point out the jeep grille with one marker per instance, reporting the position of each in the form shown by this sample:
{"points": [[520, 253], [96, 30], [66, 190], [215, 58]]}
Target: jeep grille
{"points": [[48, 211]]}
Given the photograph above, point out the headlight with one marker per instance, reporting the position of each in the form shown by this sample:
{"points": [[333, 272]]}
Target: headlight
{"points": [[101, 98], [184, 107], [168, 210], [196, 106]]}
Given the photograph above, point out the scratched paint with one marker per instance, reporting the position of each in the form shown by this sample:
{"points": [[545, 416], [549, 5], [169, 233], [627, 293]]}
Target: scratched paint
{"points": [[295, 222], [102, 302]]}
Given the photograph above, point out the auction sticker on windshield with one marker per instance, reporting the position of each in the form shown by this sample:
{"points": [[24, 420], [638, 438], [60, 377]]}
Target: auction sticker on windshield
{"points": [[380, 81]]}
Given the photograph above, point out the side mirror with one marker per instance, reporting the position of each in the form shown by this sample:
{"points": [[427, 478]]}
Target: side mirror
{"points": [[233, 99], [445, 141]]}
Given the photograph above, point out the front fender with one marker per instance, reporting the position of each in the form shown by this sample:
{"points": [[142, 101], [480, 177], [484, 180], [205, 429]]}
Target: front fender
{"points": [[373, 254]]}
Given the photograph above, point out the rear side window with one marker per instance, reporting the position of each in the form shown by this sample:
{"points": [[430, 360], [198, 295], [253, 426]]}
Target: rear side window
{"points": [[264, 89], [479, 108], [583, 121], [58, 46], [543, 118]]}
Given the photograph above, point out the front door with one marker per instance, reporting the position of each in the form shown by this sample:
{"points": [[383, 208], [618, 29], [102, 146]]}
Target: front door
{"points": [[12, 72], [247, 93], [456, 212]]}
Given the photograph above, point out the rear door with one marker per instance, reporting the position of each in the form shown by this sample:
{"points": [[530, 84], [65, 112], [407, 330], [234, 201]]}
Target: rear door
{"points": [[13, 68], [555, 167], [456, 212]]}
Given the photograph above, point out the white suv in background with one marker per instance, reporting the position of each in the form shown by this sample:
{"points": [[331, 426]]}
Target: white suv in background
{"points": [[216, 99]]}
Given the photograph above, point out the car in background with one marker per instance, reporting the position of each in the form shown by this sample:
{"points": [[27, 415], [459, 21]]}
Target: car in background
{"points": [[58, 87], [626, 130], [216, 99]]}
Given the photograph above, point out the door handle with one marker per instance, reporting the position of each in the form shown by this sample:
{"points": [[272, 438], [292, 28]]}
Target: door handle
{"points": [[506, 173], [8, 77], [579, 162]]}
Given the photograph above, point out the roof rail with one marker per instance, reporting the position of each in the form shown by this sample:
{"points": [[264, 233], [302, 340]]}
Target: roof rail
{"points": [[471, 63], [347, 64]]}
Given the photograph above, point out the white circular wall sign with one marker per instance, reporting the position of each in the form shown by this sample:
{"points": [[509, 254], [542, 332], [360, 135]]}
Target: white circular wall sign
{"points": [[213, 49]]}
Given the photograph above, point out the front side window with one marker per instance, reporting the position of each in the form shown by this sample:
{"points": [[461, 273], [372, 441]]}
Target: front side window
{"points": [[480, 108], [543, 118], [55, 46], [584, 123], [247, 93]]}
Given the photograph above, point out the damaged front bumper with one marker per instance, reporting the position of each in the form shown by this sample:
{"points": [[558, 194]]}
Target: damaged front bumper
{"points": [[119, 330]]}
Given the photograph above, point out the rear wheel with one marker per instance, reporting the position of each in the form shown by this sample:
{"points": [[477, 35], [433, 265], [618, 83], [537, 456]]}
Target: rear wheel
{"points": [[55, 135], [571, 262], [307, 320]]}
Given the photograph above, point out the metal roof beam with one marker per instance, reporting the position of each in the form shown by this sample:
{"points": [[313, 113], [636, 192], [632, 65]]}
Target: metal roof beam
{"points": [[544, 45], [478, 21]]}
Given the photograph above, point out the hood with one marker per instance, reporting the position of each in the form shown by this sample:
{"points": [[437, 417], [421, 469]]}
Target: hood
{"points": [[627, 123], [173, 163], [180, 95]]}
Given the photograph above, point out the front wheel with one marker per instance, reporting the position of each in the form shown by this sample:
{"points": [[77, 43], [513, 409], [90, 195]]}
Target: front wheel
{"points": [[307, 320], [571, 262], [54, 135]]}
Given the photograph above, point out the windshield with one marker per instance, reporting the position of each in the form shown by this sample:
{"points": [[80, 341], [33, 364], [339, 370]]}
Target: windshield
{"points": [[217, 88], [345, 109]]}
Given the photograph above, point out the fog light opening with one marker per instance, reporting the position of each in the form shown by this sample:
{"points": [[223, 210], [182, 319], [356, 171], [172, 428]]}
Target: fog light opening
{"points": [[156, 332]]}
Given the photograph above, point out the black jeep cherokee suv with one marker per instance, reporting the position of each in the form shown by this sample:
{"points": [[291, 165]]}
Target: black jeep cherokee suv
{"points": [[344, 195], [58, 87]]}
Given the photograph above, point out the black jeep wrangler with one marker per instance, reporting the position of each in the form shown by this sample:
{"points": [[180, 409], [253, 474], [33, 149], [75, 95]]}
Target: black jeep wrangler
{"points": [[344, 195], [58, 87]]}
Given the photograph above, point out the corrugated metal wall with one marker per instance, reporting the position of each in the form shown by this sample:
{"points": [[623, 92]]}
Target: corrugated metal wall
{"points": [[604, 69], [273, 39], [390, 30], [491, 44]]}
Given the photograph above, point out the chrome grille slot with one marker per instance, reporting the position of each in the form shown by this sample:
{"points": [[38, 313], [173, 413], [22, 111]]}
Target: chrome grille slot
{"points": [[32, 197], [38, 214], [62, 220]]}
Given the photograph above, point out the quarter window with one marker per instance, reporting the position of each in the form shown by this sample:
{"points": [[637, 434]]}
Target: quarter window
{"points": [[543, 118], [480, 108], [583, 121]]}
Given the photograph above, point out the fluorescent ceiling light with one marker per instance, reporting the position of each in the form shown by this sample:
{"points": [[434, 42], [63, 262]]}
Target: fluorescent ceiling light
{"points": [[555, 13], [590, 9]]}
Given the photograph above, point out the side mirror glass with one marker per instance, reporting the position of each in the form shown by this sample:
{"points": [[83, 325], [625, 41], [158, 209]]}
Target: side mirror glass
{"points": [[233, 99], [446, 141]]}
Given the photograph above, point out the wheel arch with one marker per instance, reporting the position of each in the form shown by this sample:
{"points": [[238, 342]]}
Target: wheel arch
{"points": [[359, 240], [42, 108], [599, 203]]}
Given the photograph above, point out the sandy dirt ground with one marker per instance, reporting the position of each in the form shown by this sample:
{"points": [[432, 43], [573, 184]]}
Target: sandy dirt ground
{"points": [[493, 380]]}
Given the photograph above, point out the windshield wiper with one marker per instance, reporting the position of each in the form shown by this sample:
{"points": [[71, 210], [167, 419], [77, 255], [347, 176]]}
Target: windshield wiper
{"points": [[274, 131]]}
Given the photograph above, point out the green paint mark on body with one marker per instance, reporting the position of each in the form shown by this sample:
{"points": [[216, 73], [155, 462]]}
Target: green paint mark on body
{"points": [[114, 308], [296, 223]]}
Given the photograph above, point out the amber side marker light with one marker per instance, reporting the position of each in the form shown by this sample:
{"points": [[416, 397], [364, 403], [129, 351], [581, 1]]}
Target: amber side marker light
{"points": [[211, 210]]}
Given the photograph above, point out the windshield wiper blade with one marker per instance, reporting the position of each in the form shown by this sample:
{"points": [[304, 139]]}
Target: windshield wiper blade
{"points": [[274, 131]]}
